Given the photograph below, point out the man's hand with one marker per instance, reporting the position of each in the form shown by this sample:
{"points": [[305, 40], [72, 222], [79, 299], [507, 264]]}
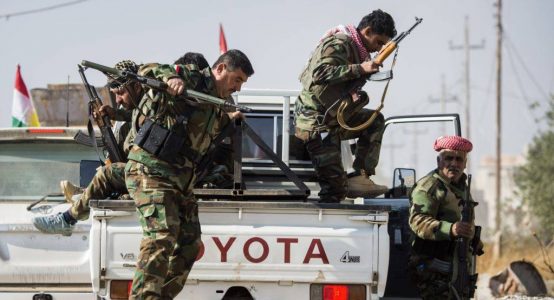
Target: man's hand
{"points": [[175, 86], [236, 115], [370, 67], [463, 229], [106, 110]]}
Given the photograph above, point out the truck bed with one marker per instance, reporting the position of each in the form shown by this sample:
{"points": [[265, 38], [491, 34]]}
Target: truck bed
{"points": [[262, 244]]}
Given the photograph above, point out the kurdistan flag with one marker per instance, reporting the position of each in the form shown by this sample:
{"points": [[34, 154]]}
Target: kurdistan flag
{"points": [[23, 111]]}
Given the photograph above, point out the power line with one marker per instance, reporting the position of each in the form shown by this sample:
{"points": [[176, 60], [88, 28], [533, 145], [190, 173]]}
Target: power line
{"points": [[39, 10], [530, 105], [531, 77]]}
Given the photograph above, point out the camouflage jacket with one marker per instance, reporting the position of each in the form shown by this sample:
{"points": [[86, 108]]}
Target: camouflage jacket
{"points": [[435, 206], [332, 68], [205, 120]]}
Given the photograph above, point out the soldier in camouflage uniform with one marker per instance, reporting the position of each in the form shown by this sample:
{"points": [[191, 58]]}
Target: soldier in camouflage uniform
{"points": [[341, 58], [435, 219], [109, 179], [160, 179]]}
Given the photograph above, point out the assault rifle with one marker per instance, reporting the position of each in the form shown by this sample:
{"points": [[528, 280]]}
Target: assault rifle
{"points": [[103, 122], [465, 283], [160, 85]]}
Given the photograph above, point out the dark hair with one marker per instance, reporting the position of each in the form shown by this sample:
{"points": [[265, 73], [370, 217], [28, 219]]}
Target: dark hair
{"points": [[380, 23], [235, 59], [194, 58]]}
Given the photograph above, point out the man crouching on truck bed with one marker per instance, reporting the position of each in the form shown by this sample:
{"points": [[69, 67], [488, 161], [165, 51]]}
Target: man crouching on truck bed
{"points": [[161, 180], [109, 179], [340, 59]]}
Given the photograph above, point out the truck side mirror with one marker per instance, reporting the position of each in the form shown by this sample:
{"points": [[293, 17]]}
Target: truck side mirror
{"points": [[402, 182]]}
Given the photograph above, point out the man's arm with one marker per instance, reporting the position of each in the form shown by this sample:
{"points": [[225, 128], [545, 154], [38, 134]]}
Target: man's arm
{"points": [[334, 67], [423, 220], [177, 77]]}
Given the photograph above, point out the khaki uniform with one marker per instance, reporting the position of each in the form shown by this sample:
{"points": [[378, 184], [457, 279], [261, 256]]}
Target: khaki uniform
{"points": [[435, 207], [333, 67], [162, 189]]}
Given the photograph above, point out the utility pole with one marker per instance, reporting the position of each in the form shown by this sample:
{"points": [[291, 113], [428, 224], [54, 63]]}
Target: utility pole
{"points": [[443, 100], [498, 208], [466, 47]]}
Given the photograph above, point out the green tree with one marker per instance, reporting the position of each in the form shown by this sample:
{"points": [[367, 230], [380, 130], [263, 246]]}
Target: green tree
{"points": [[535, 179]]}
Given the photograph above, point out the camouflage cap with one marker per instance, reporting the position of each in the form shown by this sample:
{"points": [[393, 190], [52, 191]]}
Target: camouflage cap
{"points": [[118, 81]]}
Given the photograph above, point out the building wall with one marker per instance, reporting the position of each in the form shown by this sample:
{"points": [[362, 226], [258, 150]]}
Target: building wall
{"points": [[64, 104]]}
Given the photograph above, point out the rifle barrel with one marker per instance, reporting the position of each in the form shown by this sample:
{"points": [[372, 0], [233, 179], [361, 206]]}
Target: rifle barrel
{"points": [[101, 68]]}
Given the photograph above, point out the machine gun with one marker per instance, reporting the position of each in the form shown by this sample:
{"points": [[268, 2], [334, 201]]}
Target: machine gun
{"points": [[465, 283], [379, 76], [160, 85], [103, 122]]}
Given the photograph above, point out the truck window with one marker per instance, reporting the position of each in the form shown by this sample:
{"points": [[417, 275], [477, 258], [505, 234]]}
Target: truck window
{"points": [[269, 127], [34, 169], [264, 126]]}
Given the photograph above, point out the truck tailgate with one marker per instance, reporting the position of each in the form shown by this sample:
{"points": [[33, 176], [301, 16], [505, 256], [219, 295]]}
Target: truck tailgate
{"points": [[259, 241]]}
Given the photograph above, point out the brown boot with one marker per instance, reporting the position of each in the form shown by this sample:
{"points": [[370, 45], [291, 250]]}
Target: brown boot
{"points": [[69, 189], [362, 186]]}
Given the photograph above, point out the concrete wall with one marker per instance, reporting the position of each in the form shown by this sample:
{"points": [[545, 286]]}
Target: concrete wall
{"points": [[59, 103]]}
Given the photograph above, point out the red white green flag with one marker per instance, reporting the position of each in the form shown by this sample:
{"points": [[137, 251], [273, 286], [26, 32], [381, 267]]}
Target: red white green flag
{"points": [[23, 111]]}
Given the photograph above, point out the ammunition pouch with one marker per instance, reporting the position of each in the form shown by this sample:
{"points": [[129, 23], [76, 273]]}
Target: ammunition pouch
{"points": [[163, 143]]}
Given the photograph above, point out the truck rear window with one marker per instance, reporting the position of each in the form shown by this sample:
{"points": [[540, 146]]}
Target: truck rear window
{"points": [[35, 169]]}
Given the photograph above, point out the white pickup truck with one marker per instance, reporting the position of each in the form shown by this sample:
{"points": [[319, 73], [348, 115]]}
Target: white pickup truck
{"points": [[257, 244]]}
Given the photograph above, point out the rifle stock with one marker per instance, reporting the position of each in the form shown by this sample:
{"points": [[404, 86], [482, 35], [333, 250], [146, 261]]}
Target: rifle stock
{"points": [[103, 122], [160, 85]]}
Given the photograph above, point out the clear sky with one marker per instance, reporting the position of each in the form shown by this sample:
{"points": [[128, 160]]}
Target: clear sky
{"points": [[278, 36]]}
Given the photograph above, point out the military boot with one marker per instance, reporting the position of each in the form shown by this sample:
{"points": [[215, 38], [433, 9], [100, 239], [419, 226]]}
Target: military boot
{"points": [[360, 185], [69, 190], [53, 224]]}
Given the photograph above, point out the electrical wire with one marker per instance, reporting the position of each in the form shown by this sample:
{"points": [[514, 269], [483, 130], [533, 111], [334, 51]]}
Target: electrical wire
{"points": [[531, 77], [530, 105], [39, 10]]}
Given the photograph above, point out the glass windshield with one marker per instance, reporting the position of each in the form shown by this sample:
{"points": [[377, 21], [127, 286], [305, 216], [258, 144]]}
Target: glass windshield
{"points": [[29, 170]]}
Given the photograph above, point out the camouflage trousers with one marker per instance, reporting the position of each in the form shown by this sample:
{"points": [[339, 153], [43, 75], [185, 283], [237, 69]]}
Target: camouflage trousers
{"points": [[108, 180], [168, 214], [430, 283], [325, 153]]}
